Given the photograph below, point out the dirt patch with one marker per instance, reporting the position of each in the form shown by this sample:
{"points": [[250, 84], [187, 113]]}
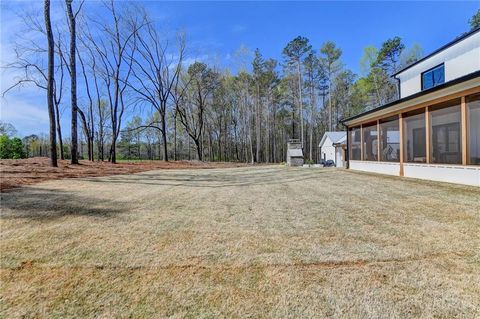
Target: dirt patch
{"points": [[16, 173]]}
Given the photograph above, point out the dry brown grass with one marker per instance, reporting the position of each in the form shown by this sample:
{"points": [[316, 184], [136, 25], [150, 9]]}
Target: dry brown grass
{"points": [[241, 242]]}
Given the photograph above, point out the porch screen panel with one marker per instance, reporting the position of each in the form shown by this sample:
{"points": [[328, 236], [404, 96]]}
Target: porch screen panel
{"points": [[390, 139], [473, 139], [370, 140], [446, 134], [354, 140], [414, 137]]}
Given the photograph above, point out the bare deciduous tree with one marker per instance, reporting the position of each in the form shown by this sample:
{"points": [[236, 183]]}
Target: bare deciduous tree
{"points": [[191, 111], [115, 51], [156, 71], [50, 84], [73, 77]]}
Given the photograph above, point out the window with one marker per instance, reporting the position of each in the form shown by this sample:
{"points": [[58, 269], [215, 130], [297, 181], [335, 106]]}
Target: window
{"points": [[433, 77], [446, 135], [390, 140], [414, 137], [354, 140], [370, 140], [473, 117]]}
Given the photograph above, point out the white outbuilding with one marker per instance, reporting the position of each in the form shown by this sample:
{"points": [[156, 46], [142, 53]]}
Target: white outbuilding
{"points": [[294, 153], [332, 147]]}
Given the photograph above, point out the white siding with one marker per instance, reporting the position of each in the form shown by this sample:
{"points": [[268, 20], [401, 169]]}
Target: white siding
{"points": [[327, 151], [460, 59], [338, 157]]}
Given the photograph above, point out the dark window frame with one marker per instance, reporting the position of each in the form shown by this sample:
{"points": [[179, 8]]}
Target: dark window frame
{"points": [[431, 70]]}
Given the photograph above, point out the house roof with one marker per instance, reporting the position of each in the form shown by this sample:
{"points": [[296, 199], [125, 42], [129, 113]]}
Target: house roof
{"points": [[295, 152], [343, 140], [446, 46], [335, 137], [440, 87]]}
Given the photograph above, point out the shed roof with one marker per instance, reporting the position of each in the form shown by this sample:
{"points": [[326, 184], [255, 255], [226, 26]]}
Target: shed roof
{"points": [[335, 137]]}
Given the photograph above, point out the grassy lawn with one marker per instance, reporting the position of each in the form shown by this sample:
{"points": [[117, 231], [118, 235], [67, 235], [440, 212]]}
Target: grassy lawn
{"points": [[241, 242]]}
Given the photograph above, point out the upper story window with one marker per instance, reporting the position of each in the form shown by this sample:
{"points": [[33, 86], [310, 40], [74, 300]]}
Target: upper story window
{"points": [[433, 77]]}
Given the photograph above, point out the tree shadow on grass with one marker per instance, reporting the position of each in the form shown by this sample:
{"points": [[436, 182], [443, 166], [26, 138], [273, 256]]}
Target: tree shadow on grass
{"points": [[212, 180], [44, 204]]}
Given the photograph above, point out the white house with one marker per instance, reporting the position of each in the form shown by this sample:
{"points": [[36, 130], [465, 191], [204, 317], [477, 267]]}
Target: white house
{"points": [[433, 130], [332, 147]]}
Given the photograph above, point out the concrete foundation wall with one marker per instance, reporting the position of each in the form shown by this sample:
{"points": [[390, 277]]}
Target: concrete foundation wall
{"points": [[466, 175], [376, 167]]}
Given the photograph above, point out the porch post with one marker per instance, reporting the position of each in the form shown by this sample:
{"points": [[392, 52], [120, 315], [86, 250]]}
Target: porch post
{"points": [[361, 142], [378, 140], [464, 128], [428, 134], [401, 144]]}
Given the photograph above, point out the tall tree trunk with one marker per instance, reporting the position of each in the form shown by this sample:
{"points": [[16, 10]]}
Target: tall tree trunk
{"points": [[87, 134], [90, 127], [312, 114], [59, 131], [198, 145], [164, 136], [50, 78], [175, 135], [330, 102], [267, 131], [257, 126], [113, 149], [225, 137], [300, 102], [101, 147], [274, 139], [73, 77]]}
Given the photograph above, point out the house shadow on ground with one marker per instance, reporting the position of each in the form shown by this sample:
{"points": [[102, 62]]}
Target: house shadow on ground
{"points": [[45, 204]]}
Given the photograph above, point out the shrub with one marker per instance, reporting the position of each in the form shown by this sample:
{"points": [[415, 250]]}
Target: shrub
{"points": [[4, 146], [11, 148]]}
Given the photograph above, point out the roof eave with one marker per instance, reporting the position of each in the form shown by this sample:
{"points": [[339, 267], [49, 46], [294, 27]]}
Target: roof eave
{"points": [[460, 80]]}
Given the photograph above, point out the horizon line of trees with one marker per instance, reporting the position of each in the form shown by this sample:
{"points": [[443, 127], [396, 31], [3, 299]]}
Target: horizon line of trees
{"points": [[122, 68]]}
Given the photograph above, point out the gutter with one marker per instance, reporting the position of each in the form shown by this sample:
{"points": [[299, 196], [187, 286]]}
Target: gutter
{"points": [[414, 96]]}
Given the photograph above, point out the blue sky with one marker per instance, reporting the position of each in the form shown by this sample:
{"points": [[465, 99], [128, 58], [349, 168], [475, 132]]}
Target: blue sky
{"points": [[215, 30]]}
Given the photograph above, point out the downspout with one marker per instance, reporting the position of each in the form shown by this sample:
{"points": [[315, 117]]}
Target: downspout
{"points": [[347, 151], [399, 89]]}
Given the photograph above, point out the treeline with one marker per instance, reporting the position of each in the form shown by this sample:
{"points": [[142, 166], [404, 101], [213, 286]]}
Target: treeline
{"points": [[10, 145], [137, 94]]}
